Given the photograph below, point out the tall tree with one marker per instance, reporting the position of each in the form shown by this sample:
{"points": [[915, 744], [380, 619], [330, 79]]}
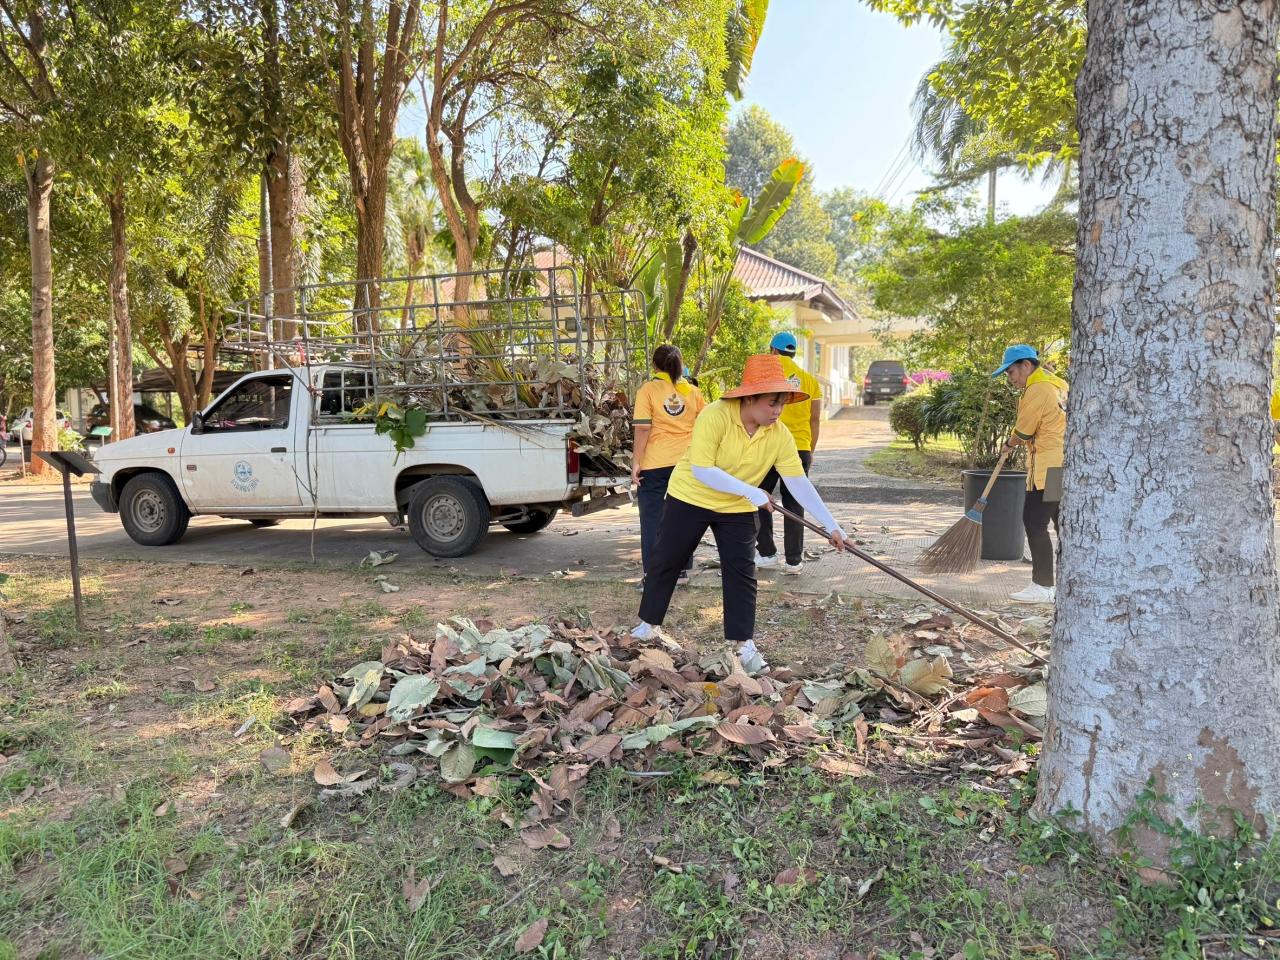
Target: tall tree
{"points": [[1165, 658], [116, 126], [756, 145], [378, 53], [27, 95], [260, 91]]}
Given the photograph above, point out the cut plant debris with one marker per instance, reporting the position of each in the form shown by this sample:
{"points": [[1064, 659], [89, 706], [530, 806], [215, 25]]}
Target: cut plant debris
{"points": [[532, 710]]}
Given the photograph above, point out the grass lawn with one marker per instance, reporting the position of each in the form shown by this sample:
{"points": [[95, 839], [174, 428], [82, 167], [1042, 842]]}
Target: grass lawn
{"points": [[937, 461], [137, 821]]}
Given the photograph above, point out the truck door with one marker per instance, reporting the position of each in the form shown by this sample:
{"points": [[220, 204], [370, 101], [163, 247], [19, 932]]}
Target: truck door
{"points": [[242, 459]]}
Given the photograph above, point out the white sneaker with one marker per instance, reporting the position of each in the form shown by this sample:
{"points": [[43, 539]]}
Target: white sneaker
{"points": [[1034, 594], [643, 631], [792, 569], [752, 660], [763, 562]]}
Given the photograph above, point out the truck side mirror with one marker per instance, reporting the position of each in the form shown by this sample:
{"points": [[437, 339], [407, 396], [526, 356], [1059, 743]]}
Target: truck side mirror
{"points": [[197, 423]]}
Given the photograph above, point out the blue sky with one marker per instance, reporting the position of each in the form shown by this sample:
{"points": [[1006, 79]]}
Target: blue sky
{"points": [[841, 77]]}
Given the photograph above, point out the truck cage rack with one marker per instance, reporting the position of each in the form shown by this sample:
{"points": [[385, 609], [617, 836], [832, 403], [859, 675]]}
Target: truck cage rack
{"points": [[522, 343]]}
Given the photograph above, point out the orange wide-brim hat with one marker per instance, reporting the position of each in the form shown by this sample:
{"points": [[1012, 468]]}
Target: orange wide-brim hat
{"points": [[764, 374]]}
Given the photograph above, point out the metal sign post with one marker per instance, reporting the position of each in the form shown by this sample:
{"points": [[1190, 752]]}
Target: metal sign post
{"points": [[67, 463]]}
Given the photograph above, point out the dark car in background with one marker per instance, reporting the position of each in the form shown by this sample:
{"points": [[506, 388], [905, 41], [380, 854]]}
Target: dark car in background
{"points": [[885, 380], [146, 419]]}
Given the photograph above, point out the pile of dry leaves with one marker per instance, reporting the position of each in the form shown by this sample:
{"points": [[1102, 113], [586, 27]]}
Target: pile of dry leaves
{"points": [[543, 705]]}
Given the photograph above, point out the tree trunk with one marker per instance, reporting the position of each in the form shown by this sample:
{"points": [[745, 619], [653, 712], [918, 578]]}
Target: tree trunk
{"points": [[283, 217], [1165, 663], [689, 248], [122, 401], [991, 196], [44, 432], [371, 215]]}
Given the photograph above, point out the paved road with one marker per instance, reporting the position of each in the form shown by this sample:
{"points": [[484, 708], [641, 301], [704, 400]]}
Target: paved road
{"points": [[895, 525]]}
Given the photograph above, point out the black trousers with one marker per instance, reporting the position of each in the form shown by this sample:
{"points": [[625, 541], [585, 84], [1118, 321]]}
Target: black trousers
{"points": [[651, 498], [792, 532], [1036, 516], [683, 525]]}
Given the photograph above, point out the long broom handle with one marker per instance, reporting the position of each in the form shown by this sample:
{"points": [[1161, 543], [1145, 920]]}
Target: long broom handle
{"points": [[903, 578], [981, 503]]}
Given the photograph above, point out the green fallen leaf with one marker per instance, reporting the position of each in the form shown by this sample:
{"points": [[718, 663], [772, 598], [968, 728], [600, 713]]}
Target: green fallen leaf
{"points": [[1032, 701], [458, 763], [494, 739], [410, 695], [367, 676]]}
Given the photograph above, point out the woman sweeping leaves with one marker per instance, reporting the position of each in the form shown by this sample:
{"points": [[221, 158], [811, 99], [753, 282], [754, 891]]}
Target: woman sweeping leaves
{"points": [[1041, 428], [736, 441], [665, 410]]}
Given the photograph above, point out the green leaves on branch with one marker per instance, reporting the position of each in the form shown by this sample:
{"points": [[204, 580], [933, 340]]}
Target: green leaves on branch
{"points": [[401, 425]]}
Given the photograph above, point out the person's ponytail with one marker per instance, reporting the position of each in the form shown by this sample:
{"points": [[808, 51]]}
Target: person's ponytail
{"points": [[667, 359]]}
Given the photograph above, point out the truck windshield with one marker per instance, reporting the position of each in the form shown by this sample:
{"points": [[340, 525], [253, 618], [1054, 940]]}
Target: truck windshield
{"points": [[261, 404]]}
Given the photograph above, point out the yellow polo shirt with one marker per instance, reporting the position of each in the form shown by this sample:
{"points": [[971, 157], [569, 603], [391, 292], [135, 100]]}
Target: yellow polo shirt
{"points": [[796, 417], [669, 414], [720, 440], [1042, 424]]}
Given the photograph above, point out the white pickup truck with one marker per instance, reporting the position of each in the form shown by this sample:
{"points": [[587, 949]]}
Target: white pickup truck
{"points": [[274, 446]]}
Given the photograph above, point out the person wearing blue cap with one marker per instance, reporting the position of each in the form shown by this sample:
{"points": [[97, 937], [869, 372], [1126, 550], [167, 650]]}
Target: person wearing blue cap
{"points": [[1041, 427], [803, 420]]}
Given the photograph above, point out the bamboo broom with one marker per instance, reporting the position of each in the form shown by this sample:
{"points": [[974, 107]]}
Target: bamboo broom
{"points": [[959, 549]]}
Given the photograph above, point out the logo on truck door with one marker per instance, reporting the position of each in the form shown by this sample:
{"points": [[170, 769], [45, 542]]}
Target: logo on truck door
{"points": [[242, 477]]}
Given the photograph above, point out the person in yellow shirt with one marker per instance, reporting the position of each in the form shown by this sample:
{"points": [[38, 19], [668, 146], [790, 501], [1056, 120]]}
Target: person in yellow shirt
{"points": [[736, 441], [803, 419], [663, 417], [1041, 427]]}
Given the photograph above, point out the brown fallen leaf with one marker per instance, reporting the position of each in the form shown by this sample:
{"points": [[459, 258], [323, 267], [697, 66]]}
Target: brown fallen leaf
{"points": [[203, 683], [507, 866], [339, 723], [664, 863], [745, 734], [329, 700], [795, 875], [840, 766], [287, 820], [163, 809], [415, 891], [720, 777], [545, 837], [326, 776], [277, 760], [598, 748], [532, 937]]}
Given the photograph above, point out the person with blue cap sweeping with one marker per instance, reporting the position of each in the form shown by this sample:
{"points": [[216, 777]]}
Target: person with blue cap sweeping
{"points": [[802, 420], [1041, 427]]}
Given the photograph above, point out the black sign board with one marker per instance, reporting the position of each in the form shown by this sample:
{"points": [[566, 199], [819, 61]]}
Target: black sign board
{"points": [[64, 460]]}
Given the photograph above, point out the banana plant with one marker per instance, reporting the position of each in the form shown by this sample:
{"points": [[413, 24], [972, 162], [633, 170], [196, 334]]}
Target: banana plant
{"points": [[664, 276], [742, 34], [750, 222]]}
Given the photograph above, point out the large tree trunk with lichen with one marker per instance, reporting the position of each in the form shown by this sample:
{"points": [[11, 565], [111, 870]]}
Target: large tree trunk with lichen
{"points": [[44, 431], [1165, 662]]}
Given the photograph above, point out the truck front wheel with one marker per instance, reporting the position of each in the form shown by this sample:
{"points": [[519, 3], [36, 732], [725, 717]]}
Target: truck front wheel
{"points": [[448, 516], [152, 512]]}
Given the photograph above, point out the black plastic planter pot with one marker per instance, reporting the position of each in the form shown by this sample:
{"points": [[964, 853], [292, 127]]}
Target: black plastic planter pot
{"points": [[1002, 532]]}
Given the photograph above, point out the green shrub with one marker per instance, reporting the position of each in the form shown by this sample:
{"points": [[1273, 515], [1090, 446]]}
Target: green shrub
{"points": [[978, 409], [905, 416]]}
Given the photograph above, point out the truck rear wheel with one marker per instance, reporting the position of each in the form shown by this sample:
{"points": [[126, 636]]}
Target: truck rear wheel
{"points": [[448, 516], [152, 512], [537, 520]]}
